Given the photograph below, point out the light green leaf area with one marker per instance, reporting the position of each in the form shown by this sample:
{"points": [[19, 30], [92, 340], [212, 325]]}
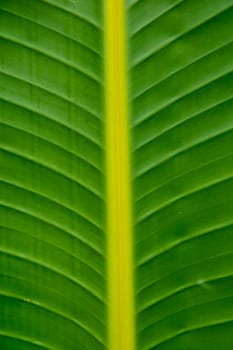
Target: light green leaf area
{"points": [[53, 237]]}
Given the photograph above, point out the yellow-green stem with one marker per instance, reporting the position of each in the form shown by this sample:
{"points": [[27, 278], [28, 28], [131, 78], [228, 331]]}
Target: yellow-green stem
{"points": [[120, 267]]}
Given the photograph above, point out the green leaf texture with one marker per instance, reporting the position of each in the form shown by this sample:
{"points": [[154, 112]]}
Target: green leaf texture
{"points": [[181, 83], [52, 239], [53, 235]]}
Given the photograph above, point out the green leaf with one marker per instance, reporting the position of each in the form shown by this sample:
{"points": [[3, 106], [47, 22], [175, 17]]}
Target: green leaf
{"points": [[181, 61], [52, 239], [54, 211]]}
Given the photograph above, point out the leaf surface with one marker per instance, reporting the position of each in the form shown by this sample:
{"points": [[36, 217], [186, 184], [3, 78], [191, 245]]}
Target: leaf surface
{"points": [[56, 167]]}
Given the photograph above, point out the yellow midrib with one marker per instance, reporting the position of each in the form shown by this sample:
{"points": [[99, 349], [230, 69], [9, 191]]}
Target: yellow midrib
{"points": [[119, 228]]}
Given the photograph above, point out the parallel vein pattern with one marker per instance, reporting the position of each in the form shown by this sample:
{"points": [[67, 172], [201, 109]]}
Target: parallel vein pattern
{"points": [[181, 87], [52, 224]]}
